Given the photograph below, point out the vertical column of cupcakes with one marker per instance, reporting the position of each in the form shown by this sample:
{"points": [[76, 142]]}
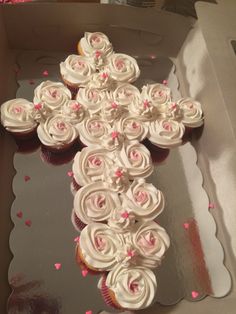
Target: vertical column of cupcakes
{"points": [[55, 132], [76, 71], [17, 117]]}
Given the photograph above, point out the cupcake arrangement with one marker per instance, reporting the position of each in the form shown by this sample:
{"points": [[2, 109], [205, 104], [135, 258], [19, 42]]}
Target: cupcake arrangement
{"points": [[114, 207]]}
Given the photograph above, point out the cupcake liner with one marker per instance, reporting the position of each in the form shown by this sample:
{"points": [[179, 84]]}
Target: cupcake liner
{"points": [[24, 135], [108, 295], [158, 154], [27, 146], [82, 264], [77, 223], [76, 186]]}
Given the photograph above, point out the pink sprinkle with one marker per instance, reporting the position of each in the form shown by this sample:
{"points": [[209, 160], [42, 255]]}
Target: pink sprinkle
{"points": [[119, 173], [38, 106], [26, 178], [104, 75], [174, 105], [19, 214], [165, 82], [195, 294], [98, 54], [211, 206], [114, 134], [45, 73], [76, 106], [114, 105], [186, 225], [125, 215], [76, 239], [146, 104], [57, 266], [31, 82], [131, 253], [70, 173], [88, 312], [84, 272], [28, 223]]}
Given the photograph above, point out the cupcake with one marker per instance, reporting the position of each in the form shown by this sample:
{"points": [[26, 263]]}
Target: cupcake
{"points": [[132, 128], [125, 94], [166, 133], [122, 68], [97, 247], [76, 71], [93, 129], [136, 158], [97, 46], [52, 96], [94, 203], [130, 288], [148, 200], [157, 94], [17, 118], [192, 115], [91, 165], [150, 242], [91, 99], [57, 134]]}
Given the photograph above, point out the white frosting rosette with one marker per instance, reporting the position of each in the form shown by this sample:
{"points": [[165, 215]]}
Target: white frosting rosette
{"points": [[192, 112], [56, 132], [149, 201], [166, 133], [17, 116], [113, 140], [53, 95], [93, 129], [91, 99], [134, 288], [95, 202], [132, 128], [73, 112], [121, 220], [77, 70], [95, 44], [158, 94], [123, 68], [92, 164], [98, 245], [117, 179], [143, 110], [125, 94], [150, 242], [136, 159], [111, 110], [173, 111], [101, 80]]}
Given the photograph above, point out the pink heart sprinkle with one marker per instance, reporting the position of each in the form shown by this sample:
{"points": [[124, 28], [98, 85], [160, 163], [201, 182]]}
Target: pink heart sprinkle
{"points": [[125, 215], [70, 173], [45, 73], [28, 223], [76, 239], [57, 266], [186, 225], [31, 82], [19, 214], [84, 272], [195, 294], [165, 82], [26, 178], [88, 312], [38, 106], [211, 206]]}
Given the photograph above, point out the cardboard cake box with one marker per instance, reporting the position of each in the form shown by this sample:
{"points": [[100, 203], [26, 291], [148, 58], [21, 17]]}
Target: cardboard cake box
{"points": [[205, 66]]}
